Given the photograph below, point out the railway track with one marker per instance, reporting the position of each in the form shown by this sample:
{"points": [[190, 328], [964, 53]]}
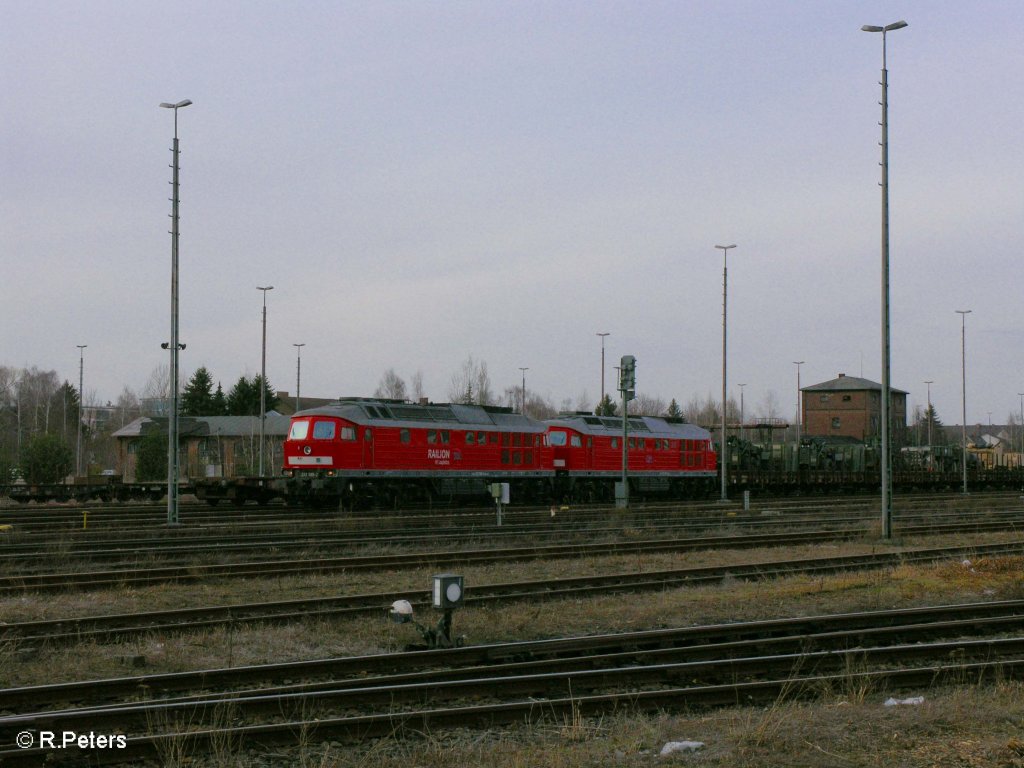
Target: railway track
{"points": [[192, 572], [124, 626], [150, 517], [356, 698], [29, 556]]}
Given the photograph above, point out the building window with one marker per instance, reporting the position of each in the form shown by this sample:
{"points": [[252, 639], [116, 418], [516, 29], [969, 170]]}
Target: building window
{"points": [[835, 422], [847, 398]]}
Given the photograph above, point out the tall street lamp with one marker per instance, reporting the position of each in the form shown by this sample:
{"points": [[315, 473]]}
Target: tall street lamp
{"points": [[523, 408], [263, 376], [742, 418], [173, 345], [963, 386], [886, 393], [723, 459], [298, 371], [1021, 427], [798, 363], [603, 336], [81, 407], [928, 384]]}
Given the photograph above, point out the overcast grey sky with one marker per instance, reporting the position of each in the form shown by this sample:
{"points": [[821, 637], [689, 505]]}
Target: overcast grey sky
{"points": [[423, 181]]}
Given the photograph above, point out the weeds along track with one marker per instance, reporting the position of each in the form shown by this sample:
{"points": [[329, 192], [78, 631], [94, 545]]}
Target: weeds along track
{"points": [[123, 626], [350, 699]]}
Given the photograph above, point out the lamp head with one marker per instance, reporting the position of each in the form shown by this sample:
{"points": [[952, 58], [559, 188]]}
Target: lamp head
{"points": [[184, 103]]}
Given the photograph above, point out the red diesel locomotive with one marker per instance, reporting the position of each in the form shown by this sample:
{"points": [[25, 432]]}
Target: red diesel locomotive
{"points": [[362, 452], [666, 457]]}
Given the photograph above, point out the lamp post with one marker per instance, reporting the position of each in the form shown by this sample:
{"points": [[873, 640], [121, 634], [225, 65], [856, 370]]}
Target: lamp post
{"points": [[298, 371], [963, 386], [81, 406], [1021, 426], [886, 394], [263, 376], [723, 459], [798, 363], [928, 415], [603, 336], [173, 345], [523, 408], [742, 418]]}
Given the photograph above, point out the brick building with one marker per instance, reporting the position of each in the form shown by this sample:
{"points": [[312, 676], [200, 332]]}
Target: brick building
{"points": [[852, 407]]}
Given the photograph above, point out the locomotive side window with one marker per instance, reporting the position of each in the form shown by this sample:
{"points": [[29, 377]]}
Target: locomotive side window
{"points": [[404, 436], [470, 437], [445, 436], [556, 439], [323, 430], [481, 438], [615, 442], [299, 430], [575, 441], [348, 433], [431, 436], [368, 435]]}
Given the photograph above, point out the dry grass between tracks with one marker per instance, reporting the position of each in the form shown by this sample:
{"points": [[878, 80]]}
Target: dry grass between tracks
{"points": [[969, 726]]}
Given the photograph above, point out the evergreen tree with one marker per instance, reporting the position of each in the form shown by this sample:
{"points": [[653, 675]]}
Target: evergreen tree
{"points": [[151, 458], [219, 402], [197, 397], [244, 397], [606, 407], [674, 411], [46, 459]]}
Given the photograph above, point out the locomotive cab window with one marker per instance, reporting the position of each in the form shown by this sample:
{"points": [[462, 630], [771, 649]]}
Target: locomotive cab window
{"points": [[299, 431], [323, 430], [556, 439], [575, 441], [348, 433]]}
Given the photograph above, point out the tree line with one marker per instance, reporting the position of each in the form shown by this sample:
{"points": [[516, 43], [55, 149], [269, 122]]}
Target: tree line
{"points": [[40, 417]]}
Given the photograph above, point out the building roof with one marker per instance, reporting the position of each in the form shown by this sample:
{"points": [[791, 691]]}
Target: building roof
{"points": [[846, 383], [276, 425]]}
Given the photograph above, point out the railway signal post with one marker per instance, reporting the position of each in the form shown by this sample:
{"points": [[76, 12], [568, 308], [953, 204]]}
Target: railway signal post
{"points": [[627, 386]]}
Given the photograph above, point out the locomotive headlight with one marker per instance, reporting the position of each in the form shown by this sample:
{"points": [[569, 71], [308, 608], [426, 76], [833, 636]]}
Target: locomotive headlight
{"points": [[307, 450]]}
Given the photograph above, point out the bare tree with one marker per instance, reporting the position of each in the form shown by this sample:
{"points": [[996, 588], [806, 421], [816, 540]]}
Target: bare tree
{"points": [[156, 394], [418, 393], [769, 408], [646, 405], [391, 386], [471, 384]]}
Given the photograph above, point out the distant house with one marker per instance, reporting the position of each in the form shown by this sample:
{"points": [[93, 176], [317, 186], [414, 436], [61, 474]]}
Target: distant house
{"points": [[211, 446], [849, 406]]}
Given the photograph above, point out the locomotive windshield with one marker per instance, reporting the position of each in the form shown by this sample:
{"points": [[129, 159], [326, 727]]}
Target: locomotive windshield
{"points": [[556, 438], [299, 430]]}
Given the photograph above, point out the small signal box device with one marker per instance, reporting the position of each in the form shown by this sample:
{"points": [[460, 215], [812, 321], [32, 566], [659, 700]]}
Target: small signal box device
{"points": [[448, 591]]}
